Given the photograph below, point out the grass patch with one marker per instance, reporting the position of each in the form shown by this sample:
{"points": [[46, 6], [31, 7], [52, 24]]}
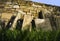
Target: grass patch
{"points": [[16, 35]]}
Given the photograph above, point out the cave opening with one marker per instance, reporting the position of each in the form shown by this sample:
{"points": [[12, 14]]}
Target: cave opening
{"points": [[9, 24], [33, 24], [19, 24], [40, 15]]}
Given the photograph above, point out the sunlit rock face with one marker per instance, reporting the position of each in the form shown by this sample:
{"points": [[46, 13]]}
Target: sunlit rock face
{"points": [[43, 24], [28, 11]]}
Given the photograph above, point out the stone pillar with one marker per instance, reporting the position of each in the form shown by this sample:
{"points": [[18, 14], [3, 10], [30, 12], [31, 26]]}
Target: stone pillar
{"points": [[19, 16], [27, 20]]}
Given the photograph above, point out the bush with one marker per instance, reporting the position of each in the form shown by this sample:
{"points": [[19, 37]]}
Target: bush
{"points": [[16, 35]]}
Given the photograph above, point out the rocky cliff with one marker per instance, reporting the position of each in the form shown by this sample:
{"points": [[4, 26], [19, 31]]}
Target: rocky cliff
{"points": [[50, 13]]}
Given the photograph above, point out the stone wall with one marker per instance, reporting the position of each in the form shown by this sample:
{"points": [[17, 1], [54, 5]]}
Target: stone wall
{"points": [[27, 7]]}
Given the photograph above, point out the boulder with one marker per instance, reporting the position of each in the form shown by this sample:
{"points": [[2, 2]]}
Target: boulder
{"points": [[43, 24]]}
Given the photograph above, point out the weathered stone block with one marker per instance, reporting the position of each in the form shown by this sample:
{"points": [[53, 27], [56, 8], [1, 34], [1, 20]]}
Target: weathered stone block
{"points": [[43, 24]]}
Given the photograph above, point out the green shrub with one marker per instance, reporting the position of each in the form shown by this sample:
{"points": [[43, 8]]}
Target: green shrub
{"points": [[16, 35]]}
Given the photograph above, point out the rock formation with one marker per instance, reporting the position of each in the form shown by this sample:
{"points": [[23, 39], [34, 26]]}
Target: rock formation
{"points": [[44, 15]]}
